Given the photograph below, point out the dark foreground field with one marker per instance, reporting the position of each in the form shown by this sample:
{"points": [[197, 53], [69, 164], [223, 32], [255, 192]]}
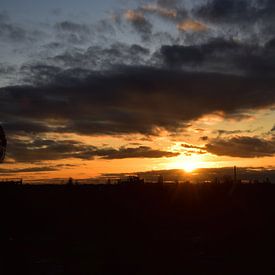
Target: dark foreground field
{"points": [[143, 229]]}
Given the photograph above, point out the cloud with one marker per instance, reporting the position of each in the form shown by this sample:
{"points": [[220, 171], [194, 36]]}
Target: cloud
{"points": [[233, 132], [6, 69], [134, 16], [251, 21], [139, 152], [214, 55], [39, 150], [242, 147], [72, 32], [7, 171], [139, 23], [225, 10], [177, 55], [168, 3], [36, 169], [191, 25], [160, 10], [191, 146], [12, 32], [204, 138], [98, 58], [30, 126], [227, 56], [236, 11], [190, 149], [131, 99]]}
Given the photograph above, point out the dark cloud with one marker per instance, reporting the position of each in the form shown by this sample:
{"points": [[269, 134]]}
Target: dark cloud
{"points": [[191, 146], [270, 45], [249, 20], [237, 11], [216, 10], [98, 58], [176, 55], [220, 55], [132, 99], [28, 126], [233, 132], [7, 171], [36, 169], [242, 146], [190, 149], [236, 146], [204, 138], [38, 150], [39, 73], [139, 152]]}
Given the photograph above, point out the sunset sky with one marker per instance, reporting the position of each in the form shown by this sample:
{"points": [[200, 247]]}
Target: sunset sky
{"points": [[117, 86]]}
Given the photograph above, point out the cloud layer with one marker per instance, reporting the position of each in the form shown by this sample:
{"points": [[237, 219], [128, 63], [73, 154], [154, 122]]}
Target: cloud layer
{"points": [[243, 147], [153, 67], [38, 150]]}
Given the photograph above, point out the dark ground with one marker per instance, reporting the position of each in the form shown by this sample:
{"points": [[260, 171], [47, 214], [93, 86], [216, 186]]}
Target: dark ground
{"points": [[142, 229]]}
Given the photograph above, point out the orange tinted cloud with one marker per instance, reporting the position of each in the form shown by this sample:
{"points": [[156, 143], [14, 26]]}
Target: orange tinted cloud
{"points": [[190, 25], [134, 16], [160, 10]]}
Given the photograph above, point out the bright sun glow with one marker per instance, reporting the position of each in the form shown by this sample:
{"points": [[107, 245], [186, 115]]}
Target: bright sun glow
{"points": [[189, 167], [189, 164]]}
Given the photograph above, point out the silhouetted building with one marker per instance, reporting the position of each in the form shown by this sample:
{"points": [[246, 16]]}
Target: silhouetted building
{"points": [[226, 179], [160, 179], [267, 181], [131, 180], [11, 182], [70, 182]]}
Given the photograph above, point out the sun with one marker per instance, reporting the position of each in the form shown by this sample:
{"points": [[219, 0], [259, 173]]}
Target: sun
{"points": [[189, 166]]}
